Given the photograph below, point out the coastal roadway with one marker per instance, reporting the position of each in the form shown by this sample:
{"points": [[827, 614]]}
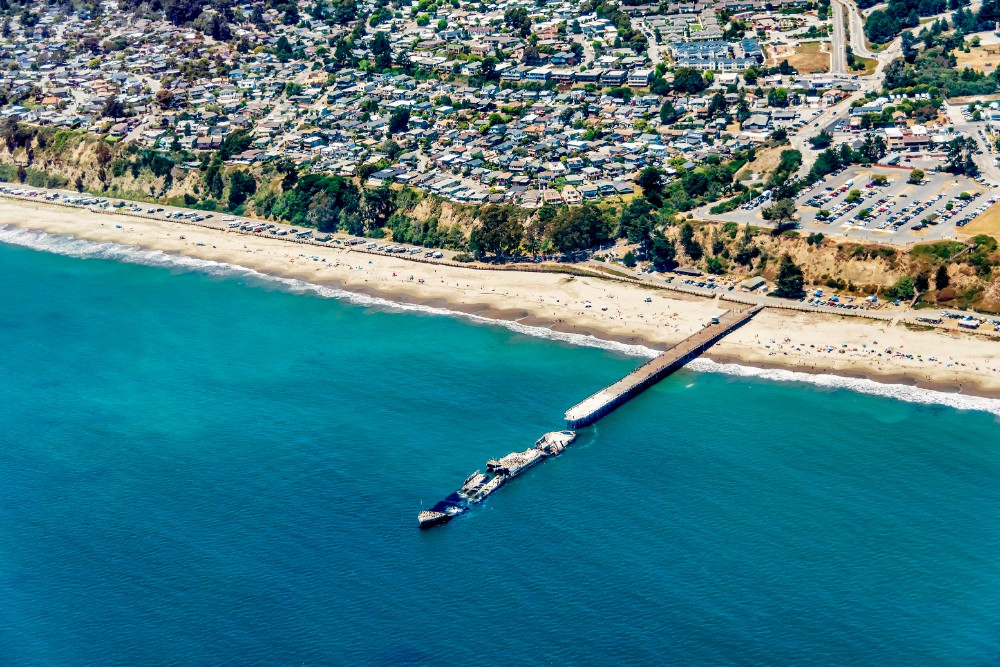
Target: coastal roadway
{"points": [[838, 65], [590, 268], [589, 56]]}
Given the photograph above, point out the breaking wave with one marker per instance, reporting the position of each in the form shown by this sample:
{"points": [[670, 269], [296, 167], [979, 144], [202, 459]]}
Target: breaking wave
{"points": [[82, 248], [899, 392], [85, 249]]}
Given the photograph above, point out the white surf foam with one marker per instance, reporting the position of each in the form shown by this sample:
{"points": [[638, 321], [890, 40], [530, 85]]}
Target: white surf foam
{"points": [[82, 248], [899, 392], [74, 247]]}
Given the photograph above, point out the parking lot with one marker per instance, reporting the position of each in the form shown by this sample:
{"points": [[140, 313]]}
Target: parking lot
{"points": [[218, 221], [852, 203]]}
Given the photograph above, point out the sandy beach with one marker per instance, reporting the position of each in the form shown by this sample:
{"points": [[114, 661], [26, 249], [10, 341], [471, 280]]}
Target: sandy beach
{"points": [[808, 342]]}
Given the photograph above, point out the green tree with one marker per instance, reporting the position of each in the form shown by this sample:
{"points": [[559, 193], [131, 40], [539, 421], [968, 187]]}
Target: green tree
{"points": [[688, 242], [282, 49], [668, 114], [790, 282], [941, 278], [323, 212], [235, 143], [399, 121], [498, 230], [715, 265], [321, 200], [403, 61], [518, 20], [959, 158], [873, 148], [821, 140], [579, 228], [781, 212], [242, 184], [636, 222], [689, 80], [164, 98], [629, 259], [381, 51], [664, 253], [212, 177], [113, 108], [903, 289], [379, 205], [777, 97], [651, 181], [881, 27], [488, 69]]}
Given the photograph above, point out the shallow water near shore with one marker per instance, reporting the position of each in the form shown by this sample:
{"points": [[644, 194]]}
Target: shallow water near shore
{"points": [[205, 466]]}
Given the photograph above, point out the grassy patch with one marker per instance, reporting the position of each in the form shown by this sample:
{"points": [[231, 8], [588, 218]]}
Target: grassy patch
{"points": [[979, 58], [807, 57], [942, 250], [870, 65], [610, 271], [987, 222], [765, 161]]}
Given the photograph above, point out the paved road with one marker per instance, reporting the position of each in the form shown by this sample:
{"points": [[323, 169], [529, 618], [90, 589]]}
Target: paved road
{"points": [[673, 283], [588, 50], [841, 110], [881, 311], [987, 168], [857, 28], [653, 50], [838, 56]]}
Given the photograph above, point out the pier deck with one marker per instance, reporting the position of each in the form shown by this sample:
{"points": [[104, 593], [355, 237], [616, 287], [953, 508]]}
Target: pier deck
{"points": [[596, 406]]}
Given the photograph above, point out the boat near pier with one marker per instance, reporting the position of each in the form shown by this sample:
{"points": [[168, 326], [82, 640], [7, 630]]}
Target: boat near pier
{"points": [[478, 486]]}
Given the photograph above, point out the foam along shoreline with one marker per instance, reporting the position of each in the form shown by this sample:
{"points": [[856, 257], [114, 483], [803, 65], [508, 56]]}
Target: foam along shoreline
{"points": [[910, 393], [480, 314], [553, 306]]}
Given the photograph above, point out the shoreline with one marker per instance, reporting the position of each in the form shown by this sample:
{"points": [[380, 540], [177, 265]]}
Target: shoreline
{"points": [[609, 311], [522, 317]]}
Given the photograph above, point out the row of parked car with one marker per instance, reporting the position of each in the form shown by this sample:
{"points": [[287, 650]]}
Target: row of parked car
{"points": [[912, 210], [374, 246], [969, 217], [757, 201], [839, 210], [942, 212], [401, 250], [881, 206]]}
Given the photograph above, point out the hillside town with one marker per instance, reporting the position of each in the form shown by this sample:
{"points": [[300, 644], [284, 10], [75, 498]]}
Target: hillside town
{"points": [[534, 104]]}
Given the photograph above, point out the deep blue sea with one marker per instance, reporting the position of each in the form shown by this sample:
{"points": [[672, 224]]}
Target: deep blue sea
{"points": [[199, 466]]}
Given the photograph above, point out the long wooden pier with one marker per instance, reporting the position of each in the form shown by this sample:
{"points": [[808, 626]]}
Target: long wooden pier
{"points": [[596, 406]]}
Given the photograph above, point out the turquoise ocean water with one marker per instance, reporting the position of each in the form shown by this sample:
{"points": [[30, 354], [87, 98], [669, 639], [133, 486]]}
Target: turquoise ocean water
{"points": [[201, 466]]}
